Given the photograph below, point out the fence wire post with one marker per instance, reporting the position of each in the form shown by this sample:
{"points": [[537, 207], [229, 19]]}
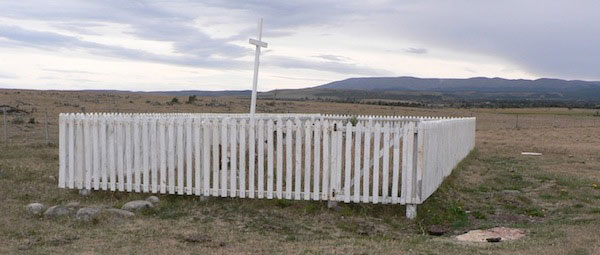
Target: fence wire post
{"points": [[46, 127], [5, 128]]}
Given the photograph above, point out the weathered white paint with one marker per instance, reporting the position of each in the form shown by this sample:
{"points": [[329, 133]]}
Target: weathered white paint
{"points": [[298, 160], [233, 159], [259, 44], [398, 160], [270, 159], [279, 175], [307, 161], [261, 159], [288, 159]]}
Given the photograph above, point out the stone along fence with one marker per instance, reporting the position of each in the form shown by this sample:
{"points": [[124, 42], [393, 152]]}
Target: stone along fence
{"points": [[358, 159]]}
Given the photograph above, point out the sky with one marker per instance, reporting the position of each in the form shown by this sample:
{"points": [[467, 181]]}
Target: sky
{"points": [[203, 45]]}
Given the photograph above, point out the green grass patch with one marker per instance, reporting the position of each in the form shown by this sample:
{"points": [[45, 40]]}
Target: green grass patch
{"points": [[533, 212], [565, 180], [444, 207], [170, 207], [506, 173]]}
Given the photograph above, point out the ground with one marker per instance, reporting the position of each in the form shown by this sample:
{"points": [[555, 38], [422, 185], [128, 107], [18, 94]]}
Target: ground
{"points": [[555, 197]]}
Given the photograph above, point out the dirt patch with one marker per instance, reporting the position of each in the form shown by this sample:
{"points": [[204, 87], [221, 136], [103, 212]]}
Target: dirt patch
{"points": [[492, 235]]}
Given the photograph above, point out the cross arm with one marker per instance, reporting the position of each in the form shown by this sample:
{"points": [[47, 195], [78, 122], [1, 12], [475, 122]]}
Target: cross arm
{"points": [[258, 43]]}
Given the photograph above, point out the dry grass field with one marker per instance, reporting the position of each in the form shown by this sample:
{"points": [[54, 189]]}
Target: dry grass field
{"points": [[555, 197]]}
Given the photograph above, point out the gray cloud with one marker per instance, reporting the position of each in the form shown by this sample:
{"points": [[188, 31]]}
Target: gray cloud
{"points": [[4, 75], [327, 66], [84, 28], [172, 22], [18, 37], [146, 21], [416, 50], [297, 78], [68, 71], [556, 38], [330, 57]]}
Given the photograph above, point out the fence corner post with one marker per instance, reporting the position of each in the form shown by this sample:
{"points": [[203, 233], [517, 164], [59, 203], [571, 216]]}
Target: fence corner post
{"points": [[411, 211]]}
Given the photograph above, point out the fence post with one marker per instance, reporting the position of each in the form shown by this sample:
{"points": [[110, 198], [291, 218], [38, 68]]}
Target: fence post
{"points": [[5, 128], [411, 203], [46, 127]]}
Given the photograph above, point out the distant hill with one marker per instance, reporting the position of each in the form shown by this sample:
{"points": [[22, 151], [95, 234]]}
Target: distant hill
{"points": [[470, 84], [432, 91], [540, 92]]}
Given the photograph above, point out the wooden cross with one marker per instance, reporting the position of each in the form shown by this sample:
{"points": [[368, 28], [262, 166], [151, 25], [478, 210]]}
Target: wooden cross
{"points": [[259, 44]]}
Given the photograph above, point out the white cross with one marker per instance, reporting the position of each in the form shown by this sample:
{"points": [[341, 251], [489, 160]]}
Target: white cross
{"points": [[258, 44]]}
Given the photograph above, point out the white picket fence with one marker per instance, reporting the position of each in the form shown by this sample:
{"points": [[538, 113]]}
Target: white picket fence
{"points": [[368, 159]]}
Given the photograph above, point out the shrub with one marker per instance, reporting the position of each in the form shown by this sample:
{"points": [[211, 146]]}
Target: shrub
{"points": [[18, 120], [191, 99], [173, 101]]}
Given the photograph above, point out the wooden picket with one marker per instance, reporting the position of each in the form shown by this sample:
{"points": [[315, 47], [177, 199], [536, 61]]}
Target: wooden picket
{"points": [[270, 159], [288, 159], [397, 160]]}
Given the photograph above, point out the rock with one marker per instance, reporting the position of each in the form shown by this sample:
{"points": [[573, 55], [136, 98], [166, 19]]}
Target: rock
{"points": [[52, 178], [493, 239], [137, 205], [153, 199], [35, 209], [503, 233], [87, 214], [56, 211], [202, 198], [85, 192], [120, 213], [73, 205], [436, 230], [333, 205]]}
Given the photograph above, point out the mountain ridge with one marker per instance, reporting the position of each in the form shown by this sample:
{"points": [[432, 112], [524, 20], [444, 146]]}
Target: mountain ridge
{"points": [[450, 84]]}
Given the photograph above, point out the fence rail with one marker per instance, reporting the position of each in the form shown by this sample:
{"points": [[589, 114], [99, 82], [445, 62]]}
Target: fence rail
{"points": [[368, 159]]}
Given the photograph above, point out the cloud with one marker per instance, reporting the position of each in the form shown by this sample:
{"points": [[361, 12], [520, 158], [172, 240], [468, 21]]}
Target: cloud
{"points": [[4, 75], [84, 28], [327, 66], [416, 50], [298, 78], [335, 58], [175, 23], [144, 19], [557, 39], [68, 71], [19, 37]]}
